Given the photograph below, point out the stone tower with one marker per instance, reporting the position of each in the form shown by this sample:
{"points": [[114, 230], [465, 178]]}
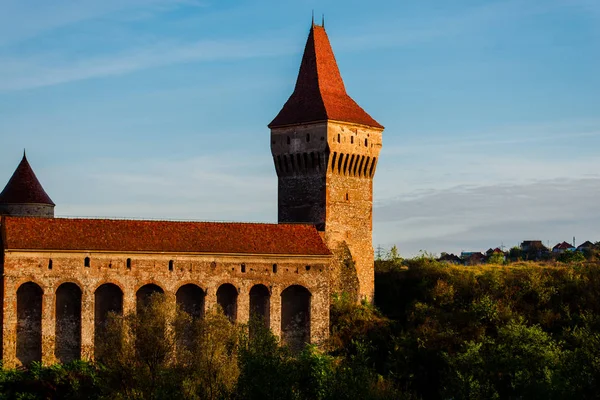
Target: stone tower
{"points": [[24, 194], [325, 149]]}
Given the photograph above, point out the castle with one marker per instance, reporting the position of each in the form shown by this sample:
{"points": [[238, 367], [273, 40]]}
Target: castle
{"points": [[62, 276]]}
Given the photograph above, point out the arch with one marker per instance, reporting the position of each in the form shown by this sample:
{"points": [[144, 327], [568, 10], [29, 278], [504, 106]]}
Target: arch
{"points": [[68, 323], [190, 298], [108, 297], [143, 294], [295, 316], [29, 323], [260, 304], [227, 296]]}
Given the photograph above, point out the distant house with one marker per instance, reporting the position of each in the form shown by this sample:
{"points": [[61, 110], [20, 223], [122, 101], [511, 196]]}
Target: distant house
{"points": [[472, 257], [534, 250], [450, 258], [526, 245], [562, 247], [587, 245]]}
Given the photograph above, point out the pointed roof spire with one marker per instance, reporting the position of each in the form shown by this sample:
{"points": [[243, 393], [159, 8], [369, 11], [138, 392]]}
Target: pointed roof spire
{"points": [[320, 94], [24, 187]]}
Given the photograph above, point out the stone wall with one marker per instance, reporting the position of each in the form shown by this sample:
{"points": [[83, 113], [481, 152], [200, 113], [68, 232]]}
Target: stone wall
{"points": [[325, 173], [27, 210], [63, 276]]}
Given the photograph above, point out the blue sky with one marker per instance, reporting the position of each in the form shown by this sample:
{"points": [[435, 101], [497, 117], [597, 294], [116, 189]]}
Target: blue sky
{"points": [[158, 109]]}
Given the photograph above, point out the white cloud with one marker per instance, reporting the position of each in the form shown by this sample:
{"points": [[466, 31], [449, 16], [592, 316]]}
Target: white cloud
{"points": [[476, 218]]}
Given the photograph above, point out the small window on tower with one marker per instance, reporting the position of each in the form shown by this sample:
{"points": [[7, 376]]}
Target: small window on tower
{"points": [[129, 263], [50, 264], [347, 197], [352, 139], [288, 140], [339, 138], [86, 262], [274, 268], [171, 265], [366, 142], [243, 267], [308, 137]]}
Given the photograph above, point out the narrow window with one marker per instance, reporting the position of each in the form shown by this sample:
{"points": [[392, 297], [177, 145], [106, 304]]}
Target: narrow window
{"points": [[129, 263], [372, 167], [288, 140], [339, 138], [307, 267], [243, 267], [347, 197], [352, 139], [213, 264], [170, 265], [308, 137], [274, 268], [86, 262], [50, 264], [366, 142]]}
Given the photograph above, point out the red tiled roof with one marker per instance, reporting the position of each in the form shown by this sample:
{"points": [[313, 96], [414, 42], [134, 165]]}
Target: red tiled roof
{"points": [[320, 94], [161, 236], [563, 246], [24, 187]]}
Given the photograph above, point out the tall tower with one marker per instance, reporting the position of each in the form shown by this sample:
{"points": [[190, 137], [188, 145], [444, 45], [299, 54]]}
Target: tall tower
{"points": [[325, 149], [24, 194]]}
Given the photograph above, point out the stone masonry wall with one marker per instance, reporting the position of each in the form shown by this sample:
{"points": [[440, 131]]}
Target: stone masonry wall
{"points": [[325, 173], [204, 270], [27, 210]]}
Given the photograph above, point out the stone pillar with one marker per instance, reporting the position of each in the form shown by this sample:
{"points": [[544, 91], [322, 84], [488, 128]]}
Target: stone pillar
{"points": [[48, 326], [210, 300], [319, 315], [275, 310], [87, 325], [129, 300], [243, 304], [9, 324]]}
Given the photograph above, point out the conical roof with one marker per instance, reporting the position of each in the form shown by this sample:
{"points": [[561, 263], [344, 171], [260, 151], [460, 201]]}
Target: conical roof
{"points": [[24, 187], [320, 94]]}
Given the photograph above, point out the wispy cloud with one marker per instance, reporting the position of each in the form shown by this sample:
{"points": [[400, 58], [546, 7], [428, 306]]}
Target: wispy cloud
{"points": [[37, 71], [475, 218]]}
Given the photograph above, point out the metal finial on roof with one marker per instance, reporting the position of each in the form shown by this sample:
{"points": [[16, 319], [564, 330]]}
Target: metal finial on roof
{"points": [[24, 155], [323, 20], [313, 17]]}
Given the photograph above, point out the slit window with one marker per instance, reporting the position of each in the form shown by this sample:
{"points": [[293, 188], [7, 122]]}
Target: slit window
{"points": [[339, 138], [171, 265], [366, 142], [243, 267], [288, 140], [308, 137], [347, 197], [129, 263], [352, 139], [274, 268], [50, 264], [86, 262]]}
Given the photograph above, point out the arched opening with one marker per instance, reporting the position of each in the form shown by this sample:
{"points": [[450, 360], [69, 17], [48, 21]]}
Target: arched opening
{"points": [[68, 323], [295, 316], [227, 298], [29, 323], [108, 298], [86, 262], [260, 304], [143, 295], [191, 300]]}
